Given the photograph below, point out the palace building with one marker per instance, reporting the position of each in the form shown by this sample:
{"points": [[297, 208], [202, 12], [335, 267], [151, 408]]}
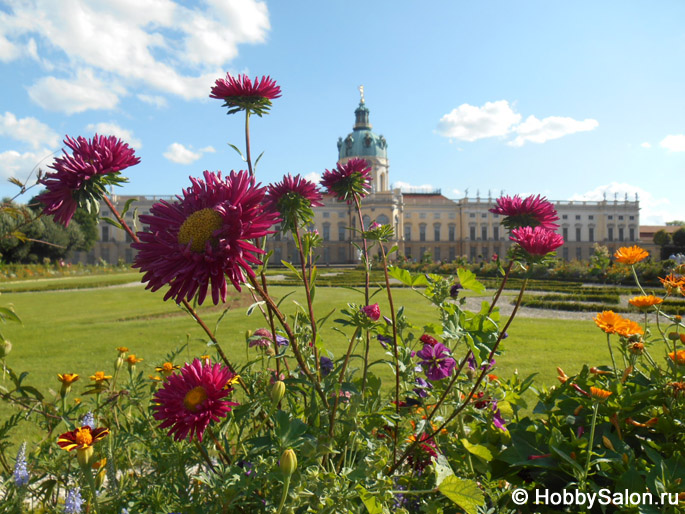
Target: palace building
{"points": [[423, 221]]}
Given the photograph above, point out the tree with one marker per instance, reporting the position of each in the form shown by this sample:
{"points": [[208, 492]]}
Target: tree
{"points": [[679, 237], [662, 238]]}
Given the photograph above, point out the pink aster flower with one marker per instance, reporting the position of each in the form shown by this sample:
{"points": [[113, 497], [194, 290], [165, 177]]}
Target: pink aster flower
{"points": [[373, 312], [188, 401], [348, 180], [194, 243], [293, 198], [531, 211], [81, 177], [537, 241], [436, 361], [242, 94]]}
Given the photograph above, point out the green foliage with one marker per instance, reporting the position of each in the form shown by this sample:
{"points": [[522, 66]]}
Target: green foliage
{"points": [[662, 238], [679, 237]]}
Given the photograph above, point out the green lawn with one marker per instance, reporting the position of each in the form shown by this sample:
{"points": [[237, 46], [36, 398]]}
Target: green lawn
{"points": [[77, 331]]}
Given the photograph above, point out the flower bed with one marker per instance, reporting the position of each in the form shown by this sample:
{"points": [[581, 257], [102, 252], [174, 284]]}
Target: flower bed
{"points": [[300, 429]]}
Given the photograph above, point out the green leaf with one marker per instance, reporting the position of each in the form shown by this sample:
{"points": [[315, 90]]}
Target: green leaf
{"points": [[442, 470], [237, 150], [464, 493], [292, 268], [7, 313], [112, 222], [127, 206], [400, 274], [478, 450], [468, 280], [370, 501], [252, 307], [392, 250]]}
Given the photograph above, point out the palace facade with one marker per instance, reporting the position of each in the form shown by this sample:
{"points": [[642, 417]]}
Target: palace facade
{"points": [[423, 222]]}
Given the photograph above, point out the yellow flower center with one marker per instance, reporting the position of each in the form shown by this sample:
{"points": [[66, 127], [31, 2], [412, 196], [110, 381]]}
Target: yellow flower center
{"points": [[83, 437], [194, 398], [198, 228], [168, 366]]}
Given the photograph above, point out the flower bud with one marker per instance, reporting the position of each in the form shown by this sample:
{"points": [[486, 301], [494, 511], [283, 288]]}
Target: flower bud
{"points": [[673, 336], [288, 463], [5, 348], [85, 456], [277, 391]]}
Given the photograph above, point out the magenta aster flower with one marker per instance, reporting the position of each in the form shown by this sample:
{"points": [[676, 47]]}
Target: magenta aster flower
{"points": [[436, 361], [188, 401], [242, 94], [293, 198], [373, 312], [538, 241], [196, 242], [531, 211], [81, 178], [348, 180]]}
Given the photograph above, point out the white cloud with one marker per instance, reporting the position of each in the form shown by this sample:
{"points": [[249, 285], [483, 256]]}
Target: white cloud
{"points": [[169, 46], [158, 101], [552, 127], [674, 143], [77, 95], [499, 119], [646, 145], [28, 130], [470, 123], [406, 186], [112, 129], [185, 155], [20, 165], [653, 211], [313, 177]]}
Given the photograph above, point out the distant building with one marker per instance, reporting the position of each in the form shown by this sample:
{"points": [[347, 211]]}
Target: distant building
{"points": [[423, 221]]}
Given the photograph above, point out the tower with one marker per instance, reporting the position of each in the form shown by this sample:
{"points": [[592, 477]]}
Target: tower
{"points": [[364, 143]]}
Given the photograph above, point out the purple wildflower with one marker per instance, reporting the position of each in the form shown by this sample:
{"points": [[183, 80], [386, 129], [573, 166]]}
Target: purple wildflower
{"points": [[326, 366], [436, 361]]}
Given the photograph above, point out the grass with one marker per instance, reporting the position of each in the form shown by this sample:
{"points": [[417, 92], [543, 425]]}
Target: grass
{"points": [[78, 330]]}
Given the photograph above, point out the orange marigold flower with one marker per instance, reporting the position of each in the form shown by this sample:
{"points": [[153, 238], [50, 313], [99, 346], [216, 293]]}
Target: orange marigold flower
{"points": [[122, 349], [678, 357], [630, 254], [629, 328], [608, 321], [100, 376], [155, 378], [672, 282], [67, 378], [678, 388], [167, 368], [645, 301], [599, 394], [133, 360]]}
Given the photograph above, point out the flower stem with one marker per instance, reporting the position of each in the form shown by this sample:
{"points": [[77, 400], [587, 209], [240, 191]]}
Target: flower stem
{"points": [[501, 286], [293, 340], [286, 488], [91, 484], [340, 381], [589, 449], [475, 387], [394, 346], [611, 352], [366, 286], [247, 142], [306, 283]]}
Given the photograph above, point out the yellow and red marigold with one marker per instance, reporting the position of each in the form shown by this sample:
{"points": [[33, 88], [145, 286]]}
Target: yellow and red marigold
{"points": [[167, 368], [630, 254], [82, 440]]}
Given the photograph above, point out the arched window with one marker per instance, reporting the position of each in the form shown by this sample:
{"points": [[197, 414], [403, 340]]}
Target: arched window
{"points": [[367, 221], [382, 219]]}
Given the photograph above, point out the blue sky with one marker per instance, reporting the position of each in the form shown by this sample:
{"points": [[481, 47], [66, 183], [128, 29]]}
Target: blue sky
{"points": [[570, 100]]}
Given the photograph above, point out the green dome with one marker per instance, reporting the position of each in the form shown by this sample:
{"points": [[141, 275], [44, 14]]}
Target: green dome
{"points": [[362, 142]]}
